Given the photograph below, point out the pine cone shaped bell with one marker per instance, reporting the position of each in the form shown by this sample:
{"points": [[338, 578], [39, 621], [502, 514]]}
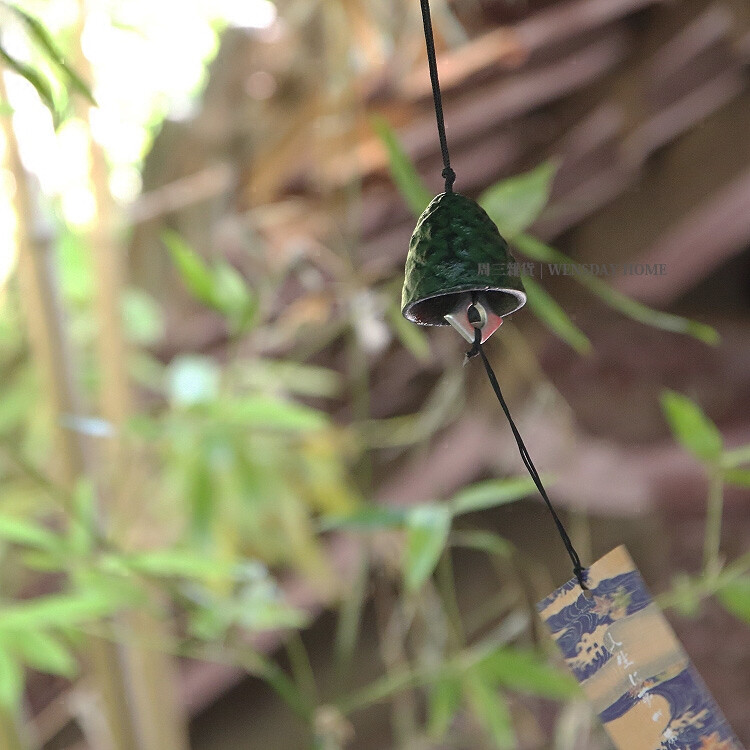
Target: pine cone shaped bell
{"points": [[456, 248]]}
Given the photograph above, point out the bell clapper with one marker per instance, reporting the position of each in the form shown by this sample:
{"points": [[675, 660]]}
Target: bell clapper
{"points": [[472, 311]]}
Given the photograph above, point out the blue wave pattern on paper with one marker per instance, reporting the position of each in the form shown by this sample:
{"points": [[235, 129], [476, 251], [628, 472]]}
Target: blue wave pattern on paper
{"points": [[695, 722], [612, 599]]}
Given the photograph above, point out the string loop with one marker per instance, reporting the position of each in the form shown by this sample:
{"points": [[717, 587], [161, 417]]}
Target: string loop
{"points": [[578, 570], [448, 174]]}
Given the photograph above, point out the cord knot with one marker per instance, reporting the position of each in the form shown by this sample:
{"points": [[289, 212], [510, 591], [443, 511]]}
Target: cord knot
{"points": [[474, 351], [450, 177]]}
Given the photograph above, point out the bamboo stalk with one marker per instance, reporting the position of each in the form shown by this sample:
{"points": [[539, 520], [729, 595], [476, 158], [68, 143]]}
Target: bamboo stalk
{"points": [[157, 712], [51, 352]]}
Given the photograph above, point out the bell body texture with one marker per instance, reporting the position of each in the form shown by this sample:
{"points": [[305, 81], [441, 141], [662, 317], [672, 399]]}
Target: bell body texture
{"points": [[456, 248]]}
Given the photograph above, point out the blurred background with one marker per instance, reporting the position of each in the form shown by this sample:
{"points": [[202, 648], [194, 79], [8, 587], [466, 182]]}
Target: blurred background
{"points": [[243, 503]]}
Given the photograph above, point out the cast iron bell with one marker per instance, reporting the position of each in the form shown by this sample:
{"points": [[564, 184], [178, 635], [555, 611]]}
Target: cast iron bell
{"points": [[457, 258]]}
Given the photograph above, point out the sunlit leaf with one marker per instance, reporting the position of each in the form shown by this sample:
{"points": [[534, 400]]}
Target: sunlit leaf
{"points": [[20, 531], [554, 317], [528, 672], [34, 78], [409, 183], [490, 494], [44, 653], [691, 427], [59, 610], [516, 203], [427, 528], [40, 34], [490, 709], [735, 597], [192, 380], [538, 251]]}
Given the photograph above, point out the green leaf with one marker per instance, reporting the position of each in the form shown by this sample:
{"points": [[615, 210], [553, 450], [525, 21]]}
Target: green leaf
{"points": [[527, 671], [490, 494], [542, 253], [19, 531], [737, 477], [35, 79], [443, 702], [11, 680], [490, 709], [409, 183], [554, 317], [38, 32], [367, 518], [44, 653], [516, 203], [482, 541], [427, 528], [59, 610], [195, 272], [691, 427], [735, 597]]}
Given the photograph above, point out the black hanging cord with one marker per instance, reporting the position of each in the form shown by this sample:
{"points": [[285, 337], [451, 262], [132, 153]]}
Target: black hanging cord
{"points": [[578, 569], [448, 173]]}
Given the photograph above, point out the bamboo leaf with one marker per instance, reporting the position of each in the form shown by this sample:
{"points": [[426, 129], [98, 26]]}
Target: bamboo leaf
{"points": [[195, 273], [43, 38], [516, 203], [410, 185], [35, 78], [482, 541], [735, 597], [691, 427], [59, 610], [737, 477], [528, 672], [19, 531], [490, 709], [444, 700], [367, 518], [427, 529], [44, 653], [554, 317], [490, 494], [542, 253], [178, 564]]}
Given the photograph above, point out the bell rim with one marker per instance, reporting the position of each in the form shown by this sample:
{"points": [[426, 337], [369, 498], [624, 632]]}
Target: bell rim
{"points": [[519, 294]]}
